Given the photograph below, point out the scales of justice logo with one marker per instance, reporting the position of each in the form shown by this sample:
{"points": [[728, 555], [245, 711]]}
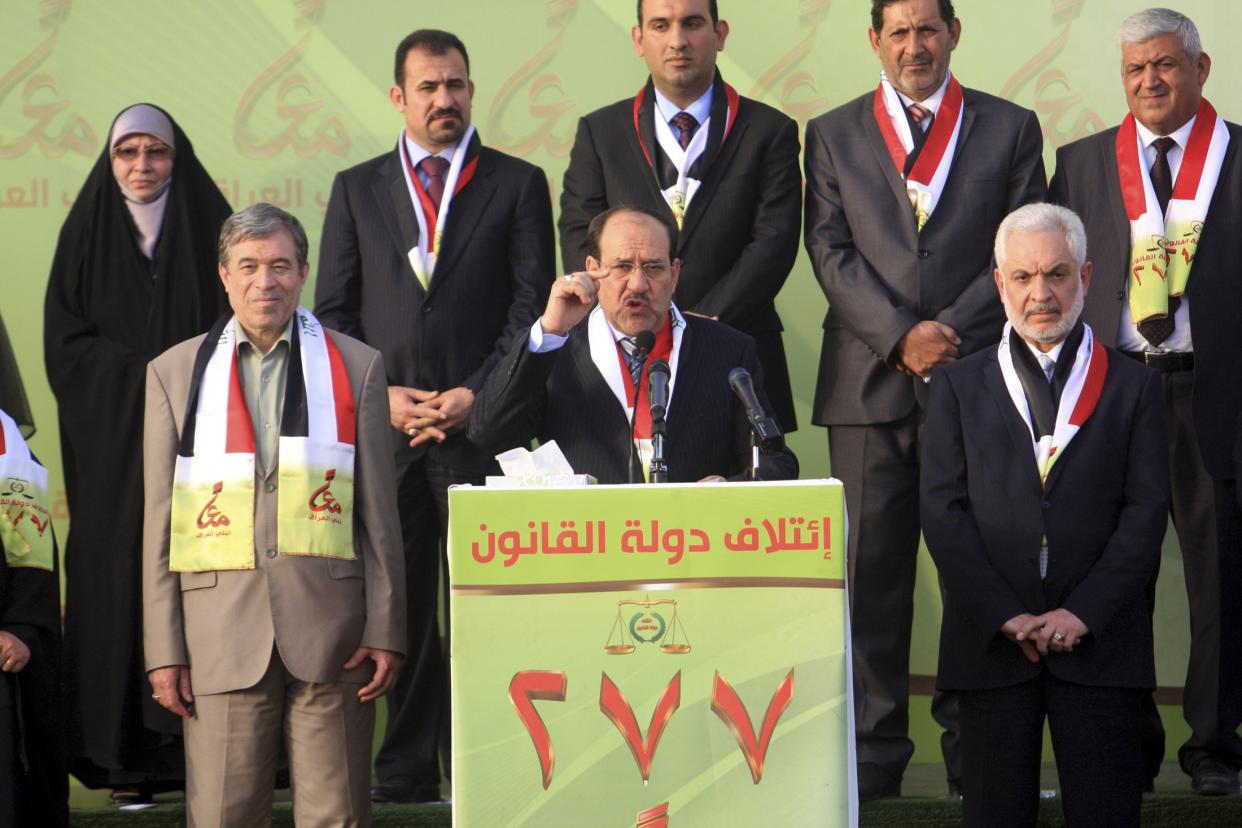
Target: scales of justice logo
{"points": [[646, 624]]}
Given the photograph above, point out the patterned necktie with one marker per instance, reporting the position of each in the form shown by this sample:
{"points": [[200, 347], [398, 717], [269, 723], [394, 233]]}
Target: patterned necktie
{"points": [[434, 167], [633, 362], [920, 119], [686, 125], [1160, 328], [1048, 365], [919, 114]]}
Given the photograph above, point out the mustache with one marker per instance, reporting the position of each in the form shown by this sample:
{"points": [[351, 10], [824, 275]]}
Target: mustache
{"points": [[1046, 307], [451, 112]]}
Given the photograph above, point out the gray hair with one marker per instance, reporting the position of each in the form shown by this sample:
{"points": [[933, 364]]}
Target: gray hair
{"points": [[260, 221], [1143, 26], [1039, 218]]}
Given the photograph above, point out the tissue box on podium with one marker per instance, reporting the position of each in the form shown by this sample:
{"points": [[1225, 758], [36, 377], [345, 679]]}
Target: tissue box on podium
{"points": [[545, 466]]}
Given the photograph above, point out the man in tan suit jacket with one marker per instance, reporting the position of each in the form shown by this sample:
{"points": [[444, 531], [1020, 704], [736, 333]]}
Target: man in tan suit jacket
{"points": [[293, 639]]}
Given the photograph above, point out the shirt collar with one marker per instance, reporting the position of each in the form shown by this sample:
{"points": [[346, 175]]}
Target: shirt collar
{"points": [[700, 109], [1181, 135], [285, 337], [678, 321], [417, 153], [1054, 354], [933, 101]]}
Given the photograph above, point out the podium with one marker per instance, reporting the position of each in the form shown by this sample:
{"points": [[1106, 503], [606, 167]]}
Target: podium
{"points": [[651, 656]]}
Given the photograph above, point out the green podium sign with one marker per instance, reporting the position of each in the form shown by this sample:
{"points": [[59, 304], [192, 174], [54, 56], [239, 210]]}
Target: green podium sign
{"points": [[651, 656]]}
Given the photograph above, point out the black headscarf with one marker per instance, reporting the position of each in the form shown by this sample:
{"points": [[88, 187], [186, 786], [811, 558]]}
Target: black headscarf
{"points": [[12, 391], [109, 311]]}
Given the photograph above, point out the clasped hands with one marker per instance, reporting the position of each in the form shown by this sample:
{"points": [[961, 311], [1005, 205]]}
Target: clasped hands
{"points": [[429, 415], [1038, 635], [925, 346]]}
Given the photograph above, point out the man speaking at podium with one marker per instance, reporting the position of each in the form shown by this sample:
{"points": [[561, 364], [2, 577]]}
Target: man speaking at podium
{"points": [[573, 376]]}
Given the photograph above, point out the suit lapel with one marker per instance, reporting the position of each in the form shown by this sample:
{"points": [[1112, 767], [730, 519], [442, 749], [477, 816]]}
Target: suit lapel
{"points": [[876, 139], [467, 208], [968, 122], [596, 389], [1019, 433], [644, 136], [715, 172], [1116, 204], [963, 135], [392, 192], [1222, 203]]}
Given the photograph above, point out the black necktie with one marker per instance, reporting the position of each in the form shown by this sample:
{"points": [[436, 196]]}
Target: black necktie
{"points": [[1160, 328], [1161, 174]]}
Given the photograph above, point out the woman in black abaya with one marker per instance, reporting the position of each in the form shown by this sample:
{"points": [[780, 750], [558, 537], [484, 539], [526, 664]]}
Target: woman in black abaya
{"points": [[134, 273]]}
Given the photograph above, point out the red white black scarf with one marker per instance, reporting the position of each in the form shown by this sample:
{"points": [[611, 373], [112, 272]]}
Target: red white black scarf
{"points": [[213, 500], [432, 222], [1163, 246], [926, 181], [689, 166]]}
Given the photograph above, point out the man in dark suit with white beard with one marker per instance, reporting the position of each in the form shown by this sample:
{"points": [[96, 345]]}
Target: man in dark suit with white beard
{"points": [[905, 187]]}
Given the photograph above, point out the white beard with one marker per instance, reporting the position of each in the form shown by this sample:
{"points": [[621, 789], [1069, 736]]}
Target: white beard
{"points": [[1047, 336]]}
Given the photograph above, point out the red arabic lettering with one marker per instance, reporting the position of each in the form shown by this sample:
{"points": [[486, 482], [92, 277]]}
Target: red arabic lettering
{"points": [[731, 710], [526, 688]]}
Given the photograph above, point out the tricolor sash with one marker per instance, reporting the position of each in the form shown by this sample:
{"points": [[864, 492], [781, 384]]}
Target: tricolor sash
{"points": [[663, 349], [616, 375], [431, 222], [925, 183], [1162, 247], [213, 500], [1078, 400], [679, 194], [25, 522]]}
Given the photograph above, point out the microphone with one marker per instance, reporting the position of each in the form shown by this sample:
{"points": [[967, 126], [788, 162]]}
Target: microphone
{"points": [[658, 374], [644, 341], [766, 432]]}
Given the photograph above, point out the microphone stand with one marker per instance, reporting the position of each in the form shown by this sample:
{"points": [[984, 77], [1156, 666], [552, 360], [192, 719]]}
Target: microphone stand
{"points": [[659, 468], [641, 358], [629, 472]]}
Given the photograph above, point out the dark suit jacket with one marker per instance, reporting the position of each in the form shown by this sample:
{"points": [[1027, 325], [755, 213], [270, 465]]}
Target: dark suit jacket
{"points": [[1086, 181], [496, 262], [1104, 512], [560, 395], [881, 275], [739, 238]]}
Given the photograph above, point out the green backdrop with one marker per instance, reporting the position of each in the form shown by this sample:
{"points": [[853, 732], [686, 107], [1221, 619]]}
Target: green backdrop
{"points": [[277, 95]]}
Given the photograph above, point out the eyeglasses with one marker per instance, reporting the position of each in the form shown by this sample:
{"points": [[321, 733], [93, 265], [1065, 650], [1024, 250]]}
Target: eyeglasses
{"points": [[130, 152], [652, 271]]}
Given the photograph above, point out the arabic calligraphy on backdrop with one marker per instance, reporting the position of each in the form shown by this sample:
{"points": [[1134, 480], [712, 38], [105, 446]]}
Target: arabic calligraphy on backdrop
{"points": [[544, 109], [794, 533], [793, 86], [288, 193], [50, 122], [1055, 100], [280, 87]]}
